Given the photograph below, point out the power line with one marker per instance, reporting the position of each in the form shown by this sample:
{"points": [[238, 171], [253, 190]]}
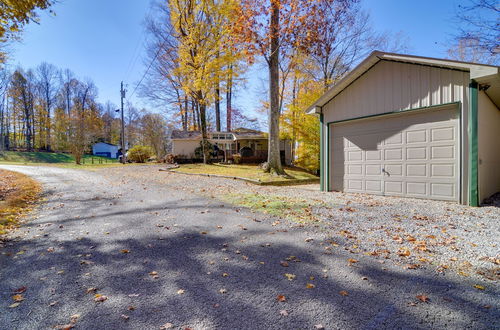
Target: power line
{"points": [[147, 70]]}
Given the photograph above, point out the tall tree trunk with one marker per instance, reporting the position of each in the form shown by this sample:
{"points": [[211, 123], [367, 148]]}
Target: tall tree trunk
{"points": [[229, 99], [185, 114], [217, 108], [47, 136], [273, 157], [294, 115], [203, 125]]}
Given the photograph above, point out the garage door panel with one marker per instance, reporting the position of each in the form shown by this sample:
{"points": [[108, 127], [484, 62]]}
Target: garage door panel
{"points": [[416, 189], [373, 169], [393, 154], [396, 139], [419, 170], [444, 190], [416, 136], [373, 186], [373, 155], [443, 152], [393, 187], [443, 170], [442, 134], [394, 169], [417, 151]]}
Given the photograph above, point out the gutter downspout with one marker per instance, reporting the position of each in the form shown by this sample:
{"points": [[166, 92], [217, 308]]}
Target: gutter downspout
{"points": [[473, 144]]}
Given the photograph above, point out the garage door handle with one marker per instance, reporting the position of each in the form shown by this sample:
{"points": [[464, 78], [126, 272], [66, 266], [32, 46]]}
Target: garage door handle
{"points": [[385, 172]]}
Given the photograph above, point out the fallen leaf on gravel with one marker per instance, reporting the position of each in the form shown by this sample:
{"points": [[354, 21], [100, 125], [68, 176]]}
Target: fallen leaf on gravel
{"points": [[281, 298], [50, 249], [181, 291], [222, 291], [91, 290], [352, 261], [20, 290], [310, 286], [131, 308], [18, 297], [154, 274], [225, 274], [290, 277], [479, 287], [100, 298], [125, 317], [309, 239], [344, 293], [166, 326], [404, 252], [284, 263], [53, 303], [284, 312], [423, 298], [124, 251], [412, 266], [60, 272], [14, 305], [319, 326]]}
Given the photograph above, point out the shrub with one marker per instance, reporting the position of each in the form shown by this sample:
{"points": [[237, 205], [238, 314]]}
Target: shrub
{"points": [[170, 159], [209, 149], [139, 154], [237, 158]]}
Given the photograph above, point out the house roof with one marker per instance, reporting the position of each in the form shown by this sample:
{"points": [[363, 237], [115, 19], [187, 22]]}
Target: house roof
{"points": [[238, 133], [185, 135], [484, 74], [109, 144]]}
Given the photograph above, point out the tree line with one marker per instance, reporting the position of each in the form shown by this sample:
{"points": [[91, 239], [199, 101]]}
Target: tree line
{"points": [[200, 50], [49, 109]]}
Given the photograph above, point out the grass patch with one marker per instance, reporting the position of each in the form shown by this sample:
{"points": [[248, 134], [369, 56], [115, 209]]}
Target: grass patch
{"points": [[52, 158], [18, 193], [298, 210], [252, 172]]}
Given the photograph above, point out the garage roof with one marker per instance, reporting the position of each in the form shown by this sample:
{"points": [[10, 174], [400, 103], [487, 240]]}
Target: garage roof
{"points": [[488, 76]]}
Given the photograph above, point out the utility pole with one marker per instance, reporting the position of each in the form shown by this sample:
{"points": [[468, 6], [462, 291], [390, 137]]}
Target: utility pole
{"points": [[122, 94]]}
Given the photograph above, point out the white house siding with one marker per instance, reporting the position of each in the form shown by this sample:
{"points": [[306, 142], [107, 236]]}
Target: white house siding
{"points": [[105, 148], [184, 147], [394, 86], [488, 147]]}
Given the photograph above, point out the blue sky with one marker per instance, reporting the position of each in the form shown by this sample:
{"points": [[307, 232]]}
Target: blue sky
{"points": [[104, 40]]}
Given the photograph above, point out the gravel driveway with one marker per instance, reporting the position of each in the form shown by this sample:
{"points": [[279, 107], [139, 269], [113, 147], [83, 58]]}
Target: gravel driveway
{"points": [[136, 248]]}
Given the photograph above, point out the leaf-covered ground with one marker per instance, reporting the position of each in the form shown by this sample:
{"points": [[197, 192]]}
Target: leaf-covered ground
{"points": [[18, 193], [135, 248]]}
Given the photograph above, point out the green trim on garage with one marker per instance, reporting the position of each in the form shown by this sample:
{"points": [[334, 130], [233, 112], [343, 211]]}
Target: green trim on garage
{"points": [[328, 151], [321, 152], [473, 147]]}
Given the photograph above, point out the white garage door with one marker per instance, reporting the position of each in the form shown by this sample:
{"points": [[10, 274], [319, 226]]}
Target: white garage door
{"points": [[414, 154]]}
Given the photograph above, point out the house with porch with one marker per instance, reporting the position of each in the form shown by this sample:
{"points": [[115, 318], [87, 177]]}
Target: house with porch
{"points": [[252, 145]]}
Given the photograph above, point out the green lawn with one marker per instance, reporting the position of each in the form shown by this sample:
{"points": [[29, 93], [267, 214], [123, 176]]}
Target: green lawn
{"points": [[252, 172], [44, 158]]}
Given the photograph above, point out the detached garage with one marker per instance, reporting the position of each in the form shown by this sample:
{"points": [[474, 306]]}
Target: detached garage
{"points": [[410, 126]]}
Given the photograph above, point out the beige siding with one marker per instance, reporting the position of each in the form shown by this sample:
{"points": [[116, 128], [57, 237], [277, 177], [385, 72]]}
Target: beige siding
{"points": [[184, 147], [393, 86], [489, 147]]}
